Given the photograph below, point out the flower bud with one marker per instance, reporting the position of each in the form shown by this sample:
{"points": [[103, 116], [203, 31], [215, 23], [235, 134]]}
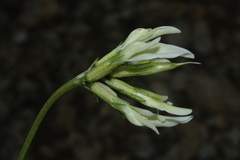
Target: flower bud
{"points": [[148, 68], [145, 97]]}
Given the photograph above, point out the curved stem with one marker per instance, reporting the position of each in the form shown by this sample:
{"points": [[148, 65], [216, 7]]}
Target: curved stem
{"points": [[77, 81]]}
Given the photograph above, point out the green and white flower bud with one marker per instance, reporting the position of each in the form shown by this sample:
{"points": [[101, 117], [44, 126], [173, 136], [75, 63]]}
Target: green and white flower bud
{"points": [[147, 68], [145, 97]]}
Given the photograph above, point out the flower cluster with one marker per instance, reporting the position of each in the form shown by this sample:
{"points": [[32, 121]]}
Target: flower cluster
{"points": [[139, 55]]}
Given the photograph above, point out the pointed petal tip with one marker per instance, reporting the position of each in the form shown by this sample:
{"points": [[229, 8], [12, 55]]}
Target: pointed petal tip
{"points": [[188, 55], [195, 63], [186, 119], [182, 111], [190, 63], [179, 111], [169, 29]]}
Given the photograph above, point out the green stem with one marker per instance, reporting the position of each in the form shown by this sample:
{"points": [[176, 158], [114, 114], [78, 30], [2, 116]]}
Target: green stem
{"points": [[77, 81]]}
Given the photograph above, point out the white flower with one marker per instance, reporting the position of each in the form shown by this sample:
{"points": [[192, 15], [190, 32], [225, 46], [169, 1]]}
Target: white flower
{"points": [[142, 117]]}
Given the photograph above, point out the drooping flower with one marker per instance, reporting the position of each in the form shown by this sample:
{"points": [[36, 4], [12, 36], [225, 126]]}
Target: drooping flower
{"points": [[135, 115]]}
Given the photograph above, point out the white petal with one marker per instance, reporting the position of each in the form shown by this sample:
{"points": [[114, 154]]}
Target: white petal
{"points": [[148, 123], [181, 120], [172, 109], [172, 51], [155, 103], [156, 32], [131, 115], [162, 51], [145, 118], [136, 47], [147, 93], [147, 61], [135, 35], [158, 123], [161, 60], [145, 56], [143, 112], [170, 103], [138, 119]]}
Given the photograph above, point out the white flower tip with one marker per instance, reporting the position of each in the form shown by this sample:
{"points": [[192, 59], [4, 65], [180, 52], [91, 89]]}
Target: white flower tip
{"points": [[168, 107], [189, 63], [170, 103], [188, 55], [185, 119], [136, 34], [194, 63], [167, 30], [182, 111], [162, 97]]}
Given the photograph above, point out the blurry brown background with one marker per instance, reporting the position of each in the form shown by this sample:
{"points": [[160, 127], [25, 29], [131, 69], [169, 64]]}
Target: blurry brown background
{"points": [[45, 43]]}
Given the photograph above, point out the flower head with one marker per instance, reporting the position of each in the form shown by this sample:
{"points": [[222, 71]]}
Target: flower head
{"points": [[139, 55]]}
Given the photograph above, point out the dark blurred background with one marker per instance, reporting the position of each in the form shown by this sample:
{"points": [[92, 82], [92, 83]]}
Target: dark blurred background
{"points": [[45, 43]]}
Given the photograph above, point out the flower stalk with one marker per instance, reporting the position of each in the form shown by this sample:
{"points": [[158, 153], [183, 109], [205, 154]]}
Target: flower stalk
{"points": [[75, 82]]}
